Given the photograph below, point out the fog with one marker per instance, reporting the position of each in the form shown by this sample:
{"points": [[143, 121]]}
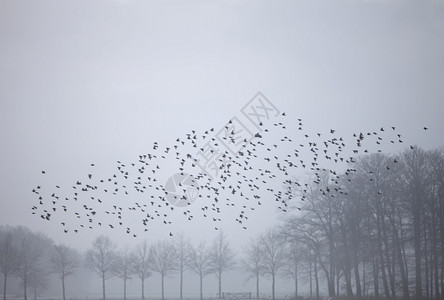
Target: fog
{"points": [[86, 87]]}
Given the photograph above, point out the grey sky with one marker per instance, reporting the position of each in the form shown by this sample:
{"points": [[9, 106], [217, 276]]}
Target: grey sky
{"points": [[94, 82]]}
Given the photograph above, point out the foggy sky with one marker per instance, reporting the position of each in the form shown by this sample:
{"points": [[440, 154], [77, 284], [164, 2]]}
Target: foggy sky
{"points": [[95, 82]]}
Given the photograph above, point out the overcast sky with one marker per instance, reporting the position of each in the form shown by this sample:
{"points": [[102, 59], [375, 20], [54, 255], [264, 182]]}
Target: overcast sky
{"points": [[86, 82]]}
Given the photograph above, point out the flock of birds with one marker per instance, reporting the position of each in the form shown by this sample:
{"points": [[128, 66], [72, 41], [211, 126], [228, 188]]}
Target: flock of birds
{"points": [[260, 170]]}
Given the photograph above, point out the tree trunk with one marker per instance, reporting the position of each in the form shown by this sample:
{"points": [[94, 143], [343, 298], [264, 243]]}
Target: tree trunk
{"points": [[364, 281], [390, 275], [295, 280], [4, 286], [331, 285], [356, 244], [220, 284], [143, 288], [103, 287], [257, 286], [337, 280], [273, 281], [348, 263], [426, 269], [331, 281], [375, 276], [417, 248], [436, 264], [316, 278], [381, 253], [25, 287], [181, 282], [295, 287], [163, 294], [311, 276], [201, 282], [63, 287], [402, 245], [405, 283], [397, 248], [357, 277], [124, 289]]}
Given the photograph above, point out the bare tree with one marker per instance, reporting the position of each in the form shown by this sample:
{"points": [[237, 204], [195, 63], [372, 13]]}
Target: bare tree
{"points": [[272, 253], [64, 263], [8, 256], [101, 257], [182, 247], [124, 267], [30, 253], [163, 260], [291, 269], [252, 263], [141, 264], [222, 258], [198, 261], [38, 279]]}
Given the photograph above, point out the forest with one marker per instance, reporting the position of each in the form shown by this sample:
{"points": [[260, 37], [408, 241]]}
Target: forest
{"points": [[374, 231]]}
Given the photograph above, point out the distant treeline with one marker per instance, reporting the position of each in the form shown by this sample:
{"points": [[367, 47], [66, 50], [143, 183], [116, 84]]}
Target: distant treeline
{"points": [[377, 229]]}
